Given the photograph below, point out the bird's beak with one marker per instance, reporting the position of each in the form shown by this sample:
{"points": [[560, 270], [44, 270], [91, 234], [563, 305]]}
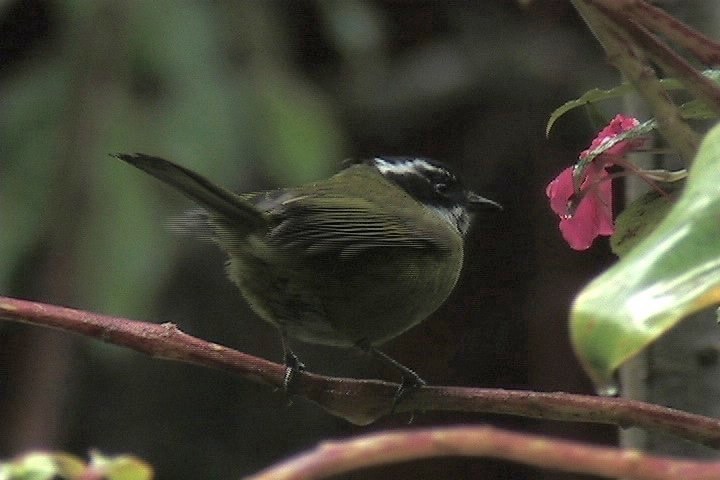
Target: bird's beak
{"points": [[476, 202]]}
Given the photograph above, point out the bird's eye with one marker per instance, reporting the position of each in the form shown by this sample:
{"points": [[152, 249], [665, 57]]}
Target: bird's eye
{"points": [[441, 187]]}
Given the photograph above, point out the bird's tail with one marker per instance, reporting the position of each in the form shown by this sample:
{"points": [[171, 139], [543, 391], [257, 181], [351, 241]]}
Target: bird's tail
{"points": [[230, 207]]}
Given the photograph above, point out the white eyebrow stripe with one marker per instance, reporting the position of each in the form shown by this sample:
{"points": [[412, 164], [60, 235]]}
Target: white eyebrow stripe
{"points": [[415, 166]]}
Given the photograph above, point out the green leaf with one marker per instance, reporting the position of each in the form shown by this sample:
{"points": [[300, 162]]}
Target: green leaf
{"points": [[641, 217], [34, 466], [673, 272], [121, 467], [696, 110], [42, 466], [597, 95], [591, 96], [50, 466]]}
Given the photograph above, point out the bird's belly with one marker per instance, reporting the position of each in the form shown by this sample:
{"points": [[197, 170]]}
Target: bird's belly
{"points": [[341, 302]]}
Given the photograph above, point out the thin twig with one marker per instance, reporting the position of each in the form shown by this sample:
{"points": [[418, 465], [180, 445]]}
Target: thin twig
{"points": [[361, 401], [333, 458]]}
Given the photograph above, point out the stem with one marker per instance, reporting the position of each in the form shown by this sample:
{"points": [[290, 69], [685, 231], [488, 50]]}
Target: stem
{"points": [[704, 48], [333, 458], [701, 86], [625, 54], [361, 401]]}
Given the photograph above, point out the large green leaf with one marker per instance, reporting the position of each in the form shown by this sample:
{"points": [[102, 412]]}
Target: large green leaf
{"points": [[672, 273]]}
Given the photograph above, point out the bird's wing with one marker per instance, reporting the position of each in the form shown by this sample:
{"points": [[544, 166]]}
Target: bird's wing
{"points": [[346, 226]]}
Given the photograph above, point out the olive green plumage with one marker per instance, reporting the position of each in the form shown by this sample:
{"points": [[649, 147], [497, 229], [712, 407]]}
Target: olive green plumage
{"points": [[354, 258]]}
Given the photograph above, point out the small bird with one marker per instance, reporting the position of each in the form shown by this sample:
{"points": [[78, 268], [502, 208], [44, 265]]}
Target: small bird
{"points": [[350, 261]]}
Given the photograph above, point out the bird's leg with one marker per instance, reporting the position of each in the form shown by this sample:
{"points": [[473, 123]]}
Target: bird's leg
{"points": [[292, 363], [411, 381]]}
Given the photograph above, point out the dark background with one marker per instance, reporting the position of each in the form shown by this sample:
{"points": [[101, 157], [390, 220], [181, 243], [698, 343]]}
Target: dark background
{"points": [[257, 95]]}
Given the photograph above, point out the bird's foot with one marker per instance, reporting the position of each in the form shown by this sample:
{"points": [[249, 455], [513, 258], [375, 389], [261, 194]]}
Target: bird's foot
{"points": [[411, 381], [293, 366]]}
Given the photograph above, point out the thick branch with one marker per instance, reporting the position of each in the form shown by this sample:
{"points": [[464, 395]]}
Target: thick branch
{"points": [[333, 458], [361, 401]]}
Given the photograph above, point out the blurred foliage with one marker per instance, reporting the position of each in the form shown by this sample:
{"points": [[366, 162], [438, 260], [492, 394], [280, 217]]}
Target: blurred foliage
{"points": [[62, 466], [151, 77]]}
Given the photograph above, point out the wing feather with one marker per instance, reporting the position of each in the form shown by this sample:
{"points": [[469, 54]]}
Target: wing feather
{"points": [[336, 225]]}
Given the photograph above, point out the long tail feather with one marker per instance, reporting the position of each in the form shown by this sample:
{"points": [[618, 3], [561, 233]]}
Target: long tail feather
{"points": [[213, 197]]}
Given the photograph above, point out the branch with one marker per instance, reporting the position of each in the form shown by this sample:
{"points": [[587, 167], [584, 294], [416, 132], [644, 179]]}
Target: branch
{"points": [[361, 401], [333, 458], [630, 21], [629, 58], [704, 48]]}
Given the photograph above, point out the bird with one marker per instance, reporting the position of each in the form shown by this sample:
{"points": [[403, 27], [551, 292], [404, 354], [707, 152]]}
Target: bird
{"points": [[349, 261]]}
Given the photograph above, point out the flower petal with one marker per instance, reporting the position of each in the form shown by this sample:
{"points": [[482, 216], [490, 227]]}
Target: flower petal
{"points": [[560, 190], [577, 232]]}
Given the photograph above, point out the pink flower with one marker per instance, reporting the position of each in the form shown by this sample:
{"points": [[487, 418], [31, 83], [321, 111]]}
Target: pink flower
{"points": [[592, 216], [586, 211], [619, 124]]}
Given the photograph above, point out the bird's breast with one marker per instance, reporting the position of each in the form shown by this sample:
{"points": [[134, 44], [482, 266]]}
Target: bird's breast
{"points": [[373, 296]]}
